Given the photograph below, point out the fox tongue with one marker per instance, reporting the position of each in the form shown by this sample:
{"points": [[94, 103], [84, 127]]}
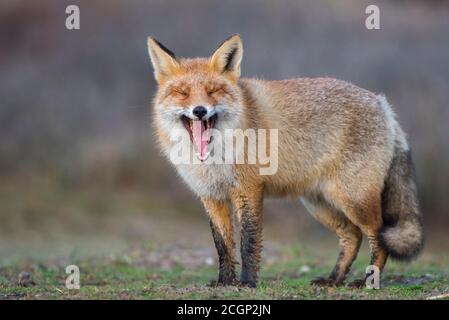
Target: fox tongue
{"points": [[200, 139]]}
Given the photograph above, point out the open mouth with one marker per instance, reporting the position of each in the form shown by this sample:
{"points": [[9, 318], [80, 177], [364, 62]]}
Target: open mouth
{"points": [[200, 134]]}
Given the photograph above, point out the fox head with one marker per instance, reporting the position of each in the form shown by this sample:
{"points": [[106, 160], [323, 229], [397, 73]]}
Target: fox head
{"points": [[197, 95]]}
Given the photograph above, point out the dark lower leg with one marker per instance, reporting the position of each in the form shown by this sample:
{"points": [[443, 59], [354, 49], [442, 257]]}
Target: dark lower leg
{"points": [[227, 275], [248, 203], [350, 244], [220, 219], [378, 260], [350, 239], [251, 247], [378, 253]]}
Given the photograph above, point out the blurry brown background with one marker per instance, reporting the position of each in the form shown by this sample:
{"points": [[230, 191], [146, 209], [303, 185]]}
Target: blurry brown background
{"points": [[79, 171]]}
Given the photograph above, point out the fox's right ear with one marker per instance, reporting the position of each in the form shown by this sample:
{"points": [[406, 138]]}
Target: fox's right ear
{"points": [[163, 60]]}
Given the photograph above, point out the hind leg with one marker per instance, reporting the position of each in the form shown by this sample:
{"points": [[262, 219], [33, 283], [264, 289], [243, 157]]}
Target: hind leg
{"points": [[349, 237], [367, 215], [378, 255], [378, 258]]}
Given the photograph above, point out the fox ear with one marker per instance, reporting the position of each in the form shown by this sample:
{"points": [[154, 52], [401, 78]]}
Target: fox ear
{"points": [[227, 58], [163, 60]]}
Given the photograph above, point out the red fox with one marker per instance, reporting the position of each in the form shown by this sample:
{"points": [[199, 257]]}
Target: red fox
{"points": [[340, 150]]}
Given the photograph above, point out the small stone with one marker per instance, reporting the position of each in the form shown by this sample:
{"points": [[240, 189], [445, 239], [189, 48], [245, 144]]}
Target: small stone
{"points": [[304, 269], [209, 261]]}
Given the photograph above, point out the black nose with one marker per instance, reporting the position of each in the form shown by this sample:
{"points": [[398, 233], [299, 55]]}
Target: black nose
{"points": [[199, 111]]}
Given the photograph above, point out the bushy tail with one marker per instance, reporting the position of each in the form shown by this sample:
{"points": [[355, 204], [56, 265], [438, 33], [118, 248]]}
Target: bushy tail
{"points": [[402, 234]]}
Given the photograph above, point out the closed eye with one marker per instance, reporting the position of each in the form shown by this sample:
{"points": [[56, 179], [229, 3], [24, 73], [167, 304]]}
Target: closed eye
{"points": [[212, 91], [181, 93]]}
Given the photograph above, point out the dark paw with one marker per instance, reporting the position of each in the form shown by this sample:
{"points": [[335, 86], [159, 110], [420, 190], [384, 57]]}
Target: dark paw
{"points": [[357, 284], [248, 284], [248, 278], [324, 282]]}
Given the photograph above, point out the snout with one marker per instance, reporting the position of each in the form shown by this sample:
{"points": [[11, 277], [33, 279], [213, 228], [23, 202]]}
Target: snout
{"points": [[199, 112]]}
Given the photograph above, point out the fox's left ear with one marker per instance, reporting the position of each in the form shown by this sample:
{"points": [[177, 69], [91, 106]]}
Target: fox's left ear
{"points": [[163, 60], [227, 58]]}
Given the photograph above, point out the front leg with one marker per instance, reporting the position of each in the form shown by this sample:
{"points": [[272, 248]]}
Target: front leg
{"points": [[248, 204], [220, 219]]}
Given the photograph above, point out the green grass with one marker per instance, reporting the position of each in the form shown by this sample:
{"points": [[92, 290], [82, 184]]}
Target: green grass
{"points": [[286, 277]]}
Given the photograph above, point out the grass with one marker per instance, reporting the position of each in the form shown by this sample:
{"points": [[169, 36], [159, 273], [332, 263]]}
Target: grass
{"points": [[139, 274], [46, 227]]}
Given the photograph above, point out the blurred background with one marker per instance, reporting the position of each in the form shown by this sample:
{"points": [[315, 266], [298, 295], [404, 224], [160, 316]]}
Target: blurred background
{"points": [[79, 169]]}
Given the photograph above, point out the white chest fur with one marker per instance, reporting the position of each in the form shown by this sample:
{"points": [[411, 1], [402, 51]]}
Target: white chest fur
{"points": [[208, 180]]}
